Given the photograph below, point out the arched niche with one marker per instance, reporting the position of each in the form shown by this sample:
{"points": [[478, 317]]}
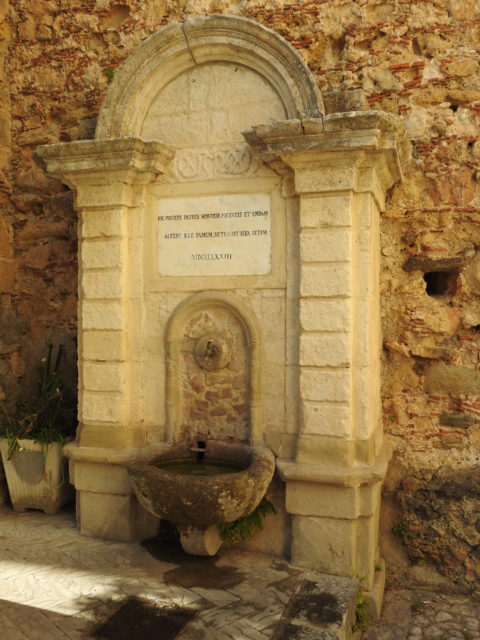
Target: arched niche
{"points": [[180, 338], [218, 39]]}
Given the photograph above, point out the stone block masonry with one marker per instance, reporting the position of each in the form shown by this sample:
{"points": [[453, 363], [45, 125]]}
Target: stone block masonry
{"points": [[419, 60]]}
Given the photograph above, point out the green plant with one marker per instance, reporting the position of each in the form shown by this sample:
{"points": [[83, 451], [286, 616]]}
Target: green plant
{"points": [[399, 529], [48, 417], [361, 612], [110, 74], [242, 528]]}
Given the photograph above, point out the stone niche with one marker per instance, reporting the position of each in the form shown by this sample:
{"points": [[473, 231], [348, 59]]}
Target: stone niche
{"points": [[217, 197]]}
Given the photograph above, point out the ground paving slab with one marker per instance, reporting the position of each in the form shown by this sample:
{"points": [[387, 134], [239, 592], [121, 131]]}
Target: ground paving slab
{"points": [[58, 585], [419, 614]]}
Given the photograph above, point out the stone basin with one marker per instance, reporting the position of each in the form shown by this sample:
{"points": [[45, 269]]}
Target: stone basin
{"points": [[203, 500]]}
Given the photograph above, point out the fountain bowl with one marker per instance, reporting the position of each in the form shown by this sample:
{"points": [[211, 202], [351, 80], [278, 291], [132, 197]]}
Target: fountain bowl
{"points": [[203, 500]]}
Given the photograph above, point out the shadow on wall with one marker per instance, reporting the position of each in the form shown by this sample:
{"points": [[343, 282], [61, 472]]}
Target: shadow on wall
{"points": [[19, 367]]}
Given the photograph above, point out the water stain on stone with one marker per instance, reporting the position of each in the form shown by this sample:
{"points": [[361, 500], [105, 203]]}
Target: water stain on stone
{"points": [[192, 571], [315, 606], [207, 576], [138, 618], [165, 547]]}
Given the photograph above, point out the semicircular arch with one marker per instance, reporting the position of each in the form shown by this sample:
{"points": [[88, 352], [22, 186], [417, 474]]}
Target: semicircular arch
{"points": [[173, 337], [177, 48]]}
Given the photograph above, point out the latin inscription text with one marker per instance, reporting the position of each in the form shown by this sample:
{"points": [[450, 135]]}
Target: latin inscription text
{"points": [[196, 234]]}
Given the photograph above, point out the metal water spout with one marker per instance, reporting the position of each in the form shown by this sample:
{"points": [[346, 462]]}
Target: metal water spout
{"points": [[200, 449]]}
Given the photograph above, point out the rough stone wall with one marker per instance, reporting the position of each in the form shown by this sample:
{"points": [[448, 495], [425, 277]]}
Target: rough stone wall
{"points": [[416, 59], [214, 401]]}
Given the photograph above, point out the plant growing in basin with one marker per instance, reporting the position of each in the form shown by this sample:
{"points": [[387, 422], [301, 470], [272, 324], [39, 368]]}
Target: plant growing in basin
{"points": [[31, 448], [242, 528]]}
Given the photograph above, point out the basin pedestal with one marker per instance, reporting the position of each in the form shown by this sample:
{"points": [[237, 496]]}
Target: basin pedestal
{"points": [[200, 541]]}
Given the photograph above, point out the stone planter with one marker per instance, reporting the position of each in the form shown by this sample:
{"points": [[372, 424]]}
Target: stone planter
{"points": [[37, 476]]}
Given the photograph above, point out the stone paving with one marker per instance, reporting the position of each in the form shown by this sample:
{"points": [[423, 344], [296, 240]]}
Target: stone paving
{"points": [[425, 615], [58, 585]]}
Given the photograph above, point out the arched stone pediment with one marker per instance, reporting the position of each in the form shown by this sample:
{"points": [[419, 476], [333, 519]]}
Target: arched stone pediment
{"points": [[268, 67]]}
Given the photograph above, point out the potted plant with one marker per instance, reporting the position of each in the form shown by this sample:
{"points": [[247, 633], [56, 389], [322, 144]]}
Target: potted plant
{"points": [[35, 468]]}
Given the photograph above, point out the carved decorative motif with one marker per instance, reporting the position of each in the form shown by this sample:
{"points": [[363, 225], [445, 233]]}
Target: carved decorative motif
{"points": [[212, 352], [213, 162]]}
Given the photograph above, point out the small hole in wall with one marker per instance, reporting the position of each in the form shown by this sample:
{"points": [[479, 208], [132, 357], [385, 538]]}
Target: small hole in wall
{"points": [[201, 444], [441, 283], [454, 107], [476, 328]]}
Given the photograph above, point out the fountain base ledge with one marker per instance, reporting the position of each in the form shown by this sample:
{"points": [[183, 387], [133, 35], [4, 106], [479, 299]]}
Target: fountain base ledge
{"points": [[338, 505]]}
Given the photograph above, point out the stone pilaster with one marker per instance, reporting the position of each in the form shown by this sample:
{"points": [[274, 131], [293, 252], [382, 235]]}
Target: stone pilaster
{"points": [[342, 167], [109, 180]]}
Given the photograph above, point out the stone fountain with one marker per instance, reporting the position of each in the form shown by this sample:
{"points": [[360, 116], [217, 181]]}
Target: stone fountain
{"points": [[199, 488], [224, 218]]}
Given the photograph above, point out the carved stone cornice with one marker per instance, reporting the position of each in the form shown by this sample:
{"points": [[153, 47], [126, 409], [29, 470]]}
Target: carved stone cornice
{"points": [[358, 139], [105, 173], [130, 159]]}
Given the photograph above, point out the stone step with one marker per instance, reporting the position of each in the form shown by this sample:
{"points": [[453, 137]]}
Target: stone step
{"points": [[321, 608]]}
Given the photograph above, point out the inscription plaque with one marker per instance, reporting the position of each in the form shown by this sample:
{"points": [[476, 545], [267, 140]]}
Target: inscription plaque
{"points": [[224, 235]]}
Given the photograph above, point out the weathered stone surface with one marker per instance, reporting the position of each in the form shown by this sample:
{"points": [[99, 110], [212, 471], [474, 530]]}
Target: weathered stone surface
{"points": [[7, 275], [5, 240], [86, 129], [336, 101], [37, 257], [443, 502], [455, 380], [385, 80], [5, 135], [464, 420], [290, 631], [396, 618], [35, 137], [319, 611], [430, 264], [203, 500], [34, 180]]}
